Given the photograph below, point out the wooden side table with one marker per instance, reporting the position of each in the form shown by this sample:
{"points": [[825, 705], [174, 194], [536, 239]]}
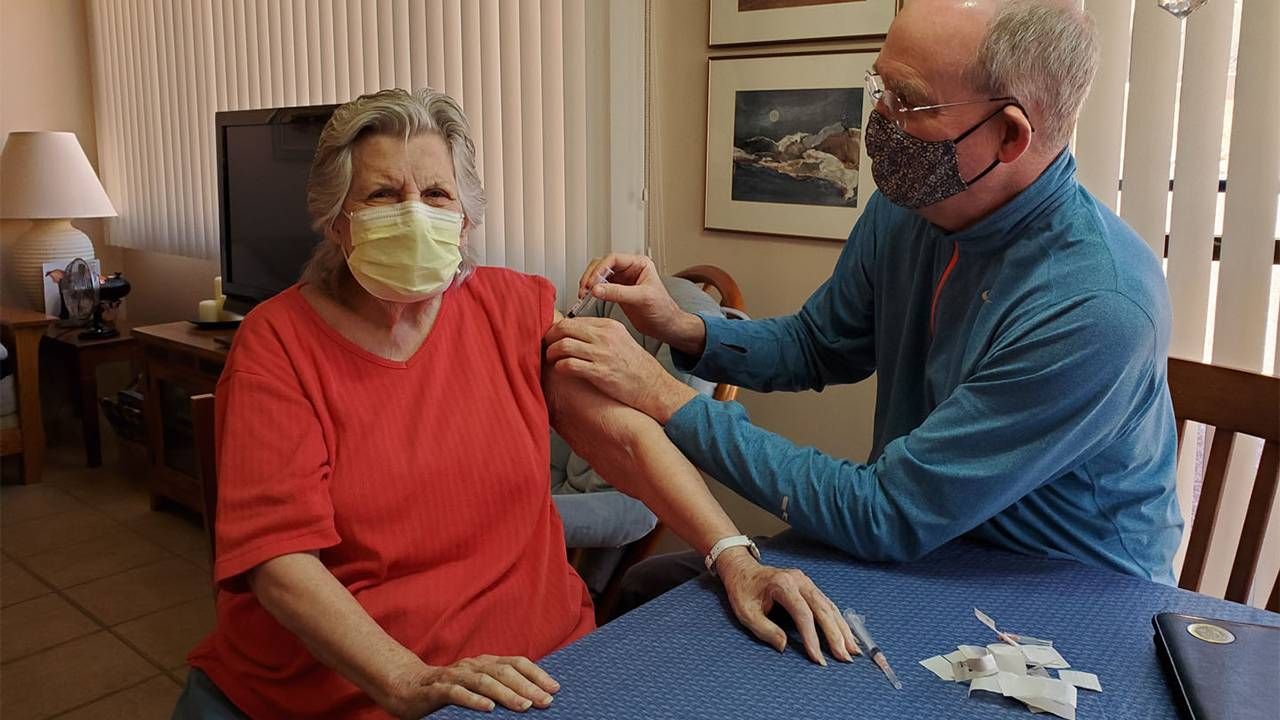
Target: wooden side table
{"points": [[25, 328], [84, 358], [179, 361]]}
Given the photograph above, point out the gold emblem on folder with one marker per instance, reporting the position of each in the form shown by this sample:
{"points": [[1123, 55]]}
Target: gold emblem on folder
{"points": [[1211, 633]]}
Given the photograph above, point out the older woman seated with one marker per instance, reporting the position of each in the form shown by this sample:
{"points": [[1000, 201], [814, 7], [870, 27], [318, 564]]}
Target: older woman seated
{"points": [[386, 539]]}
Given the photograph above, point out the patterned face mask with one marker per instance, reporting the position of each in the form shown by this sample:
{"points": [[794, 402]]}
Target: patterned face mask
{"points": [[914, 173]]}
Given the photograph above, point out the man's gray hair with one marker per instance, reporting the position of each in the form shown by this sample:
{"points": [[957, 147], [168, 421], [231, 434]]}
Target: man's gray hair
{"points": [[1045, 54], [393, 112]]}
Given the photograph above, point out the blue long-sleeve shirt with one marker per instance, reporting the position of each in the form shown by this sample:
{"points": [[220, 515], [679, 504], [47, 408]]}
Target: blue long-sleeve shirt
{"points": [[1021, 398]]}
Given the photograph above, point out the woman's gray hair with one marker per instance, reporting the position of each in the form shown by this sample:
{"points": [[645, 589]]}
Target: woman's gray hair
{"points": [[1045, 54], [393, 112]]}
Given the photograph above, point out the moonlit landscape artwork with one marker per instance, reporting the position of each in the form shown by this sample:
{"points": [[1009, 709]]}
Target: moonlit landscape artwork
{"points": [[799, 147]]}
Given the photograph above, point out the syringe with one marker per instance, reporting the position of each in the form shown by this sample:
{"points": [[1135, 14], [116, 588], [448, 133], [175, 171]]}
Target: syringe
{"points": [[859, 627], [601, 277]]}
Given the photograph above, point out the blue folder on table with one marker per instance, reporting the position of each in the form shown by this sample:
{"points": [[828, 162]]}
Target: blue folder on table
{"points": [[1219, 669]]}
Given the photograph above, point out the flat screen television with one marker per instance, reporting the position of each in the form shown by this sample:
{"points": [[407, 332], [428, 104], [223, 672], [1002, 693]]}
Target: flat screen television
{"points": [[264, 157]]}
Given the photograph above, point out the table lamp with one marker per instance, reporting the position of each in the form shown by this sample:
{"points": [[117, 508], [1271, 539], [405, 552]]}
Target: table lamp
{"points": [[46, 178]]}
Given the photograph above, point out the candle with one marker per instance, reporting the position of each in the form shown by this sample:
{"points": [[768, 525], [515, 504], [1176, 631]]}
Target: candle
{"points": [[217, 288], [208, 311]]}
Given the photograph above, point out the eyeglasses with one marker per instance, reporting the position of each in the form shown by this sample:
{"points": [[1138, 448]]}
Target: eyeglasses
{"points": [[899, 110]]}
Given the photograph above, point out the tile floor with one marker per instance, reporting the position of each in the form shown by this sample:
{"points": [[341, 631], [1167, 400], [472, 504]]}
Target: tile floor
{"points": [[100, 597]]}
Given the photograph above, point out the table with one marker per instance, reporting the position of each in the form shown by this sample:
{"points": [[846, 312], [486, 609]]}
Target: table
{"points": [[26, 328], [683, 656], [85, 357], [179, 360]]}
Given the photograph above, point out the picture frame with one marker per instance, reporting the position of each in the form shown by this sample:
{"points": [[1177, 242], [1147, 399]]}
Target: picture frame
{"points": [[739, 22], [784, 144]]}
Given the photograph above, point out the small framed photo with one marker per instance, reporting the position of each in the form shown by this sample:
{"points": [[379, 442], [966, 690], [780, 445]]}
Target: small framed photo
{"points": [[737, 22], [784, 144]]}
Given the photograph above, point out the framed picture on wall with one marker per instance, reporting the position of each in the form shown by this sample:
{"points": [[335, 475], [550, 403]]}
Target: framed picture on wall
{"points": [[784, 144], [735, 22]]}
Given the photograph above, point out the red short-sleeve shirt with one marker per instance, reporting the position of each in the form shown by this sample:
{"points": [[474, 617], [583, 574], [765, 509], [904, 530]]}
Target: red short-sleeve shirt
{"points": [[423, 485]]}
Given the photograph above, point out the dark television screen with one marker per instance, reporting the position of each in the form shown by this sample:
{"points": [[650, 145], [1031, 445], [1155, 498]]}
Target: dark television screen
{"points": [[264, 159]]}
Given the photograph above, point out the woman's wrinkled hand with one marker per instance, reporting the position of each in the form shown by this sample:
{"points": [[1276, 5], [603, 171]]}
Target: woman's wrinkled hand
{"points": [[754, 589], [602, 352], [477, 683]]}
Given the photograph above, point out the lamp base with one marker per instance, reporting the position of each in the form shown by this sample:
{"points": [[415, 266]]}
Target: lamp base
{"points": [[46, 241]]}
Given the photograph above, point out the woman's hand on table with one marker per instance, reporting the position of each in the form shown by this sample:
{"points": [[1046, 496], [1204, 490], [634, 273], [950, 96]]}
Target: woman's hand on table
{"points": [[754, 589], [477, 683]]}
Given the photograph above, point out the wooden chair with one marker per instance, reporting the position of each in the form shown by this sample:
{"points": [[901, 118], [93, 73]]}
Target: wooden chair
{"points": [[1232, 402], [202, 424], [22, 330], [710, 278]]}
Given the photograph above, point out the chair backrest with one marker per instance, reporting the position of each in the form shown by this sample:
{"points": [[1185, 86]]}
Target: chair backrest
{"points": [[1231, 401], [202, 423], [710, 277]]}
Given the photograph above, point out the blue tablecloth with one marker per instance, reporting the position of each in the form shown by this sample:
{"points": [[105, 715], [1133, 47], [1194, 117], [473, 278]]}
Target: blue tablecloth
{"points": [[684, 656]]}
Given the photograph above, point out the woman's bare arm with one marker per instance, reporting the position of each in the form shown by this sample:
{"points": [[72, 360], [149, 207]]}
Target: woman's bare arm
{"points": [[304, 597], [631, 451]]}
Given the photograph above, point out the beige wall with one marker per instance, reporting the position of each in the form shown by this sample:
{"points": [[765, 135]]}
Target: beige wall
{"points": [[776, 274], [166, 288], [46, 84]]}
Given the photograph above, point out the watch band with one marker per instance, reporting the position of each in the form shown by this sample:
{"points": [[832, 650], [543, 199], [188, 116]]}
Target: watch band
{"points": [[726, 543]]}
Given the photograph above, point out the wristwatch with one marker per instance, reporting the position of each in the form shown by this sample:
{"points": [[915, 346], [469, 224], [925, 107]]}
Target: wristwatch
{"points": [[725, 544]]}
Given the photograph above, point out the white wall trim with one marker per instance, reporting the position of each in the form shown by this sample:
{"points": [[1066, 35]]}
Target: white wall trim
{"points": [[627, 126]]}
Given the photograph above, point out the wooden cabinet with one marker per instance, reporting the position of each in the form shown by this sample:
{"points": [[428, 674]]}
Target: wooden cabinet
{"points": [[179, 361]]}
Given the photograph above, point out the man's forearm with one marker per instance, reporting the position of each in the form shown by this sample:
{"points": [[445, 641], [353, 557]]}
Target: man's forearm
{"points": [[304, 597], [845, 504]]}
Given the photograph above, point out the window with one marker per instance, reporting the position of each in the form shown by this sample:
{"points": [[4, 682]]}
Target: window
{"points": [[537, 79]]}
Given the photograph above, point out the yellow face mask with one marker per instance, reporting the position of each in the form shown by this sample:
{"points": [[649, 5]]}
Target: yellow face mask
{"points": [[405, 252]]}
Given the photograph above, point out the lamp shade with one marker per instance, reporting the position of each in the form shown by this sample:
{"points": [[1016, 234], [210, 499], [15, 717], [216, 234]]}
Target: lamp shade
{"points": [[45, 175]]}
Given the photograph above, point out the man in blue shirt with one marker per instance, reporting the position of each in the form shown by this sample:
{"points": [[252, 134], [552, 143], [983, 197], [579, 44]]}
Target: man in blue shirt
{"points": [[1017, 327]]}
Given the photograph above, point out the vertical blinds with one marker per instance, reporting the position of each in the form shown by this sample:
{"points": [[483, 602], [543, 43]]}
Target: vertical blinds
{"points": [[162, 68], [1170, 101]]}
